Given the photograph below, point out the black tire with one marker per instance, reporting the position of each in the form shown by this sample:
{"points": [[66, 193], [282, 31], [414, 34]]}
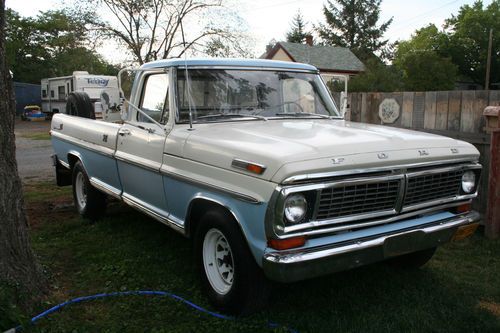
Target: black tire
{"points": [[90, 202], [79, 104], [412, 260], [249, 289]]}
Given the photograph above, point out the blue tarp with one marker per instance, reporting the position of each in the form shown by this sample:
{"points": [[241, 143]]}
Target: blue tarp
{"points": [[26, 94]]}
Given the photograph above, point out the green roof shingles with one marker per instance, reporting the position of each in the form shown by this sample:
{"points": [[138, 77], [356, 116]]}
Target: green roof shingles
{"points": [[329, 58]]}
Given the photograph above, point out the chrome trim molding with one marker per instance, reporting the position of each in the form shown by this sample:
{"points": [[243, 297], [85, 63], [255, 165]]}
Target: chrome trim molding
{"points": [[369, 223], [313, 176], [439, 202], [84, 144], [108, 189], [296, 265], [148, 210], [218, 202], [234, 194], [242, 164], [140, 162], [64, 164]]}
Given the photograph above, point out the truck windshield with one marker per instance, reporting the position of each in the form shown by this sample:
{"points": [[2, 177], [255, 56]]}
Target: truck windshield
{"points": [[227, 94]]}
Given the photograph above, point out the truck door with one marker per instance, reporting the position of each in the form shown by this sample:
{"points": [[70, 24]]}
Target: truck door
{"points": [[140, 144]]}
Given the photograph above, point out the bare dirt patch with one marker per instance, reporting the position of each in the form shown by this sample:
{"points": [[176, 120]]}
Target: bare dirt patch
{"points": [[33, 150]]}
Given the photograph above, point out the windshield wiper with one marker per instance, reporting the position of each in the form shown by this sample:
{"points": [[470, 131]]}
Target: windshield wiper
{"points": [[231, 115], [299, 114]]}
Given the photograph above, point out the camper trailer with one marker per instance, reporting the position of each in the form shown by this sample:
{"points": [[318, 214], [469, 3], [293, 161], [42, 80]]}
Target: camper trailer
{"points": [[56, 90]]}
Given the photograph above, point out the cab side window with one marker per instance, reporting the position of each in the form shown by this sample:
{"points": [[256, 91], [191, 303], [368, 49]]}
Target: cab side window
{"points": [[154, 101]]}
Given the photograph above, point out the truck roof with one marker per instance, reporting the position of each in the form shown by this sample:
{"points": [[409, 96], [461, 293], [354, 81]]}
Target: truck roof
{"points": [[258, 63]]}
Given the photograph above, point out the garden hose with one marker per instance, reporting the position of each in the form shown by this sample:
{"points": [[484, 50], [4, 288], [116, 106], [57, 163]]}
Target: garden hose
{"points": [[135, 293]]}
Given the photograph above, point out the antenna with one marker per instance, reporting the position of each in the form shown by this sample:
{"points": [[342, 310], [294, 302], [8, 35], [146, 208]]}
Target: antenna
{"points": [[187, 84]]}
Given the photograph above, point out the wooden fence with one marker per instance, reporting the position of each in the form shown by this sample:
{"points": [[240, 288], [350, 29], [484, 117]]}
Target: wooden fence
{"points": [[456, 114]]}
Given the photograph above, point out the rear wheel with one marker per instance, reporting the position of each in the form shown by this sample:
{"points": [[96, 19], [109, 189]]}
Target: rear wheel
{"points": [[89, 202], [229, 274], [412, 260]]}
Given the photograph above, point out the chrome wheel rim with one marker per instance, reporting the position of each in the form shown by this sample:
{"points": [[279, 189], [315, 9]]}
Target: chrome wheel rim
{"points": [[81, 191], [218, 261]]}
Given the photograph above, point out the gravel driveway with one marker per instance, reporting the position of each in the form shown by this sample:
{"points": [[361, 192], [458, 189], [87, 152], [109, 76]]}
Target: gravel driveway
{"points": [[33, 156]]}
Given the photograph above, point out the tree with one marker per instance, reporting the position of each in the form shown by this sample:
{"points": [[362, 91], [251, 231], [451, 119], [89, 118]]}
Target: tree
{"points": [[354, 24], [426, 70], [297, 32], [424, 62], [160, 29], [55, 43], [219, 48], [468, 40], [17, 261], [428, 38], [378, 77]]}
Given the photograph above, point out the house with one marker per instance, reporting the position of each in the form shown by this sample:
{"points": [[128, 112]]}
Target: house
{"points": [[335, 63], [330, 60]]}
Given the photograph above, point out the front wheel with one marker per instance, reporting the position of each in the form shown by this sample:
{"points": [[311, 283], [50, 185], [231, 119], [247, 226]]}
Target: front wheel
{"points": [[89, 202], [230, 276]]}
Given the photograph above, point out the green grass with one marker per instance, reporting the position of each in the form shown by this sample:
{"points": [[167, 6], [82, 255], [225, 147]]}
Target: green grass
{"points": [[37, 136], [458, 291], [45, 192]]}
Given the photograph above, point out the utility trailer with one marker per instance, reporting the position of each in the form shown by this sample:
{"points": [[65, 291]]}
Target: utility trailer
{"points": [[102, 90]]}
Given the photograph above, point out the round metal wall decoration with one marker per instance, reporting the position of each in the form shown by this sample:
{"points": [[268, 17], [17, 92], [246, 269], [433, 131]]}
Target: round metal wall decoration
{"points": [[388, 110]]}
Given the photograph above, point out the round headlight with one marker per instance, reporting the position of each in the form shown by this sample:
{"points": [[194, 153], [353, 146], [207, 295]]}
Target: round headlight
{"points": [[468, 182], [295, 208]]}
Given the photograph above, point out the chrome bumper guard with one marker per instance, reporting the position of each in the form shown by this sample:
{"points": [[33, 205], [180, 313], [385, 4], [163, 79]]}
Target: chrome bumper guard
{"points": [[296, 265]]}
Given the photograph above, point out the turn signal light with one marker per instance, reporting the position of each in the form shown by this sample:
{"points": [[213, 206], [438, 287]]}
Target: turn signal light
{"points": [[285, 244], [255, 168], [464, 208], [248, 166]]}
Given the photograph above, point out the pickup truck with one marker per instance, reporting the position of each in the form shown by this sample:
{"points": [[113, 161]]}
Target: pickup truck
{"points": [[253, 161]]}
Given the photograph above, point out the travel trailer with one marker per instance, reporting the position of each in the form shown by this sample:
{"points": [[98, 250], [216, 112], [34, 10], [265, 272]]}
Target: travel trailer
{"points": [[55, 91]]}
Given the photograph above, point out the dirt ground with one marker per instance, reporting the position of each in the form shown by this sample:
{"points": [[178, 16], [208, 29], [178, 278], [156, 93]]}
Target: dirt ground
{"points": [[33, 155]]}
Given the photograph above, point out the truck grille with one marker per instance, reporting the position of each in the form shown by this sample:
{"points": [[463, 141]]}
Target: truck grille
{"points": [[429, 187], [357, 199], [377, 198]]}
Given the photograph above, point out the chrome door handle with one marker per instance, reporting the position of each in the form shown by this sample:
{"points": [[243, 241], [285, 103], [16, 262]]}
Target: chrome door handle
{"points": [[124, 131]]}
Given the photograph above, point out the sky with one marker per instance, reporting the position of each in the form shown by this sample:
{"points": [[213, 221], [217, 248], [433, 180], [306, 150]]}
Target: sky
{"points": [[268, 20]]}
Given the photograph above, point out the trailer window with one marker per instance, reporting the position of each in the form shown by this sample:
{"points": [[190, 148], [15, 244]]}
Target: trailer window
{"points": [[61, 91], [154, 101], [44, 93]]}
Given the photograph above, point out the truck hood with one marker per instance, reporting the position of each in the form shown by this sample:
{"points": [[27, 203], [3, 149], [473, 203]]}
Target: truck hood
{"points": [[288, 147]]}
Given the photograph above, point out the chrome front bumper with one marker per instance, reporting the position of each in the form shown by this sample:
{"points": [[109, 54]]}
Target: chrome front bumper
{"points": [[296, 265]]}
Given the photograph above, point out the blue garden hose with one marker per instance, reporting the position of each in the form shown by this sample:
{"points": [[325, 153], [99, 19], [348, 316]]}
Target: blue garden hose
{"points": [[139, 292]]}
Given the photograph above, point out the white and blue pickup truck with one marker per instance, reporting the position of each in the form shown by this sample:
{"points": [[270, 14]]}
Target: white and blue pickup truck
{"points": [[253, 161]]}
